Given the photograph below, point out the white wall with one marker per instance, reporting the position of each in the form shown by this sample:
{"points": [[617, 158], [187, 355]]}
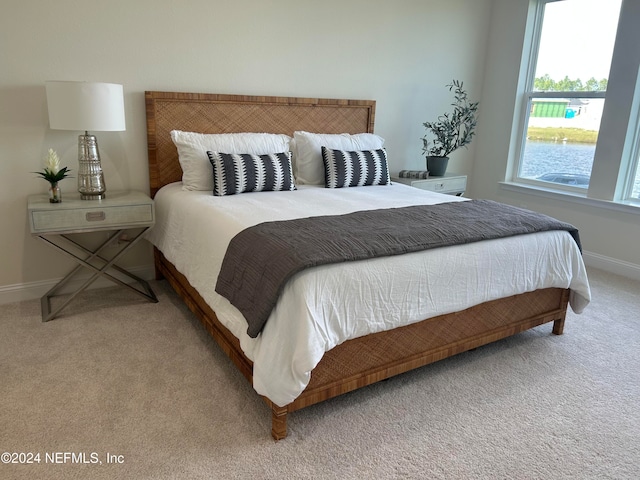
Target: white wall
{"points": [[399, 53], [609, 237]]}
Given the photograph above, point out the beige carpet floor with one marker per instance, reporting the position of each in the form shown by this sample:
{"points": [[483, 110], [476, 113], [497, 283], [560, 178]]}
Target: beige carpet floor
{"points": [[117, 387]]}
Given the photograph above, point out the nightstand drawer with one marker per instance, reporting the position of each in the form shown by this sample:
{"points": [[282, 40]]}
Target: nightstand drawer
{"points": [[442, 185], [119, 210], [90, 218], [449, 184]]}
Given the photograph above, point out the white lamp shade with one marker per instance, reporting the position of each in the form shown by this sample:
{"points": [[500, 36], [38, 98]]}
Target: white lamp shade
{"points": [[85, 106]]}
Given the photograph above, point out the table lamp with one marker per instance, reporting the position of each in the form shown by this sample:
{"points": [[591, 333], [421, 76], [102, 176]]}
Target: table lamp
{"points": [[86, 106]]}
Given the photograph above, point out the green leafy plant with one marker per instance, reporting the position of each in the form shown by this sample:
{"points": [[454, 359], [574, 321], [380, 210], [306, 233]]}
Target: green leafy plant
{"points": [[52, 172], [452, 130]]}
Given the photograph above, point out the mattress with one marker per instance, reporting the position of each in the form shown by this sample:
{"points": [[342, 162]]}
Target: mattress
{"points": [[327, 305]]}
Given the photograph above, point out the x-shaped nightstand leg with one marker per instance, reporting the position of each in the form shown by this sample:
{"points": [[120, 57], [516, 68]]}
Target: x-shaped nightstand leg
{"points": [[145, 290]]}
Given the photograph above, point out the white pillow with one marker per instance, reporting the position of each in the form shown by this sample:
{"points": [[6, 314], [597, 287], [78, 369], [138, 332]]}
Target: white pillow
{"points": [[197, 173], [307, 154]]}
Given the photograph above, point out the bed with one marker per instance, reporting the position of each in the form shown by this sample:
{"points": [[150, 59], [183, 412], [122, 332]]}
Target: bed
{"points": [[349, 363]]}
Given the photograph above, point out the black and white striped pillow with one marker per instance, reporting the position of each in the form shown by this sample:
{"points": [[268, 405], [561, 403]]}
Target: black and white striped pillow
{"points": [[354, 169], [238, 173]]}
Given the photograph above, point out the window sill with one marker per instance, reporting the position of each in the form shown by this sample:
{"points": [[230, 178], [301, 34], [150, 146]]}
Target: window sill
{"points": [[626, 207]]}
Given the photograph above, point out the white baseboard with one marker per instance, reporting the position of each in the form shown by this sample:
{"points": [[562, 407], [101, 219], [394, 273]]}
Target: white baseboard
{"points": [[612, 265], [33, 290]]}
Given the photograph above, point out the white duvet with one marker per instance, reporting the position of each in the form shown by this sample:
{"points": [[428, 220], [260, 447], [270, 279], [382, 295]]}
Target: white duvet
{"points": [[324, 306]]}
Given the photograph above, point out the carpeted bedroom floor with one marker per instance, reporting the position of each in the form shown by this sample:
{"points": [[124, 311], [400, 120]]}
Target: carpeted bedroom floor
{"points": [[120, 388]]}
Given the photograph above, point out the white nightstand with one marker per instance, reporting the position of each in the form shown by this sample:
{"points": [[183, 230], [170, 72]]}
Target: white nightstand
{"points": [[451, 184], [132, 212]]}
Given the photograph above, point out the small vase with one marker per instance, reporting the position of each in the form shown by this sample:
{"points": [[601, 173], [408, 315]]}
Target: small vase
{"points": [[55, 196], [437, 166]]}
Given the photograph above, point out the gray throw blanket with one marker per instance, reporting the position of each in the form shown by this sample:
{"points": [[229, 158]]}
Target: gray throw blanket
{"points": [[260, 259]]}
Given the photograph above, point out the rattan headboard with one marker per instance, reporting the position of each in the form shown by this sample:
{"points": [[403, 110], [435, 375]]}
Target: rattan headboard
{"points": [[211, 113]]}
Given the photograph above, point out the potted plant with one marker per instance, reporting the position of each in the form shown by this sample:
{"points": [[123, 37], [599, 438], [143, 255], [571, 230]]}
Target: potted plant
{"points": [[451, 131], [53, 174]]}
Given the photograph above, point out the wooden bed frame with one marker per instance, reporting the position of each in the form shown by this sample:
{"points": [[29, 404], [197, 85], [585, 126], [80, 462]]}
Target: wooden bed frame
{"points": [[361, 361]]}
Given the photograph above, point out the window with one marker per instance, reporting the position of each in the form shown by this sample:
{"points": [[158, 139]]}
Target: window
{"points": [[578, 73], [635, 184]]}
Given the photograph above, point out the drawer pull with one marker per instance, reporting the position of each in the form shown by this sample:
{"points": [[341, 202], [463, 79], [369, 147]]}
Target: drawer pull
{"points": [[95, 216]]}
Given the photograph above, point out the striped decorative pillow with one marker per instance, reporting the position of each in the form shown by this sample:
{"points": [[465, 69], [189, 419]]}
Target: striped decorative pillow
{"points": [[355, 169], [238, 173]]}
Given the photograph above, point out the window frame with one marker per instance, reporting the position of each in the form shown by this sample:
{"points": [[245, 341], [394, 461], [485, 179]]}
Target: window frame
{"points": [[628, 162], [633, 164]]}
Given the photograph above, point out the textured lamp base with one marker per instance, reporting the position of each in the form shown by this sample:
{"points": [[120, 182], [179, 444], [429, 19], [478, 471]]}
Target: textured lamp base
{"points": [[90, 177], [97, 196]]}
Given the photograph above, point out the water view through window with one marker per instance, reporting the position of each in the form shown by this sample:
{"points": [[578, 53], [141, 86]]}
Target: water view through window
{"points": [[574, 57], [551, 161], [561, 140]]}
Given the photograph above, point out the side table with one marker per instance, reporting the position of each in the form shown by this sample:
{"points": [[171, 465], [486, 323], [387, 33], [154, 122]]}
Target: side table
{"points": [[53, 223], [451, 184]]}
